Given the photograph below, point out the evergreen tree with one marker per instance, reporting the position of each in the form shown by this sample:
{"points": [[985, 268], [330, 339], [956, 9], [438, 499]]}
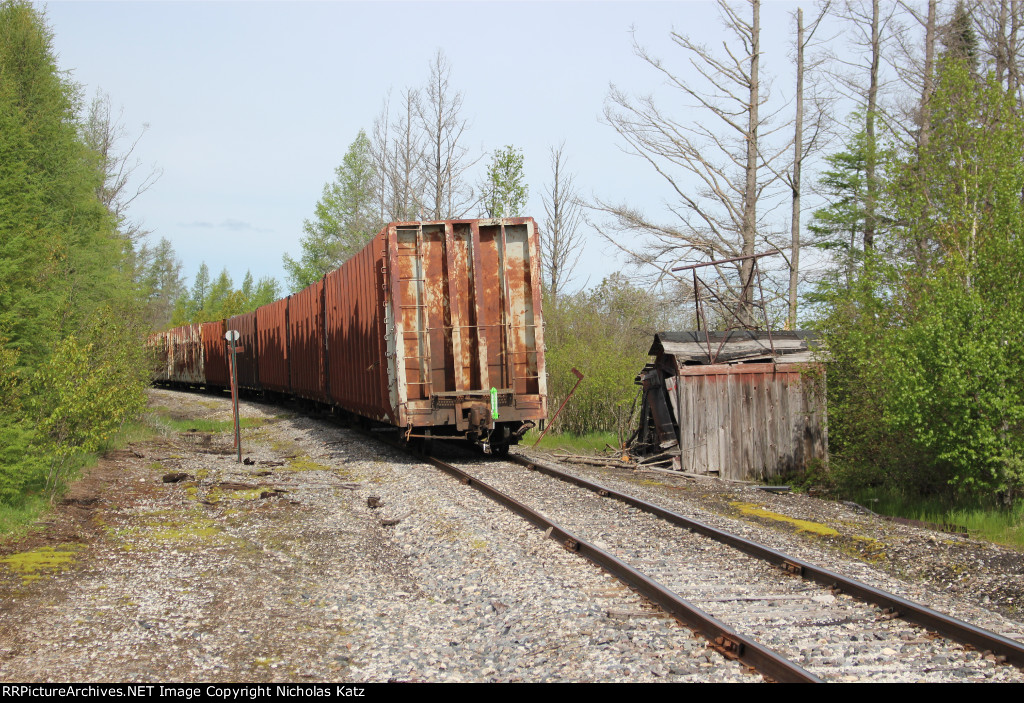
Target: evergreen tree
{"points": [[346, 218], [70, 312]]}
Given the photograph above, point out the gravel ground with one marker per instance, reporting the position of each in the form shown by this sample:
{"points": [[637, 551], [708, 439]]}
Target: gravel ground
{"points": [[281, 571]]}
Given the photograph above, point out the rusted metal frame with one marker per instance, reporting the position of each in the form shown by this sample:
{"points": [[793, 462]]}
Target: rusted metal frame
{"points": [[508, 343], [538, 315], [453, 308], [945, 625], [700, 311], [744, 287], [746, 650], [423, 315], [579, 380], [697, 281], [773, 252], [394, 294], [478, 286], [764, 309]]}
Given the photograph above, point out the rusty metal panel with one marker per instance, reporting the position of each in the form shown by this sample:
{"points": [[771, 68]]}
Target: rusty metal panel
{"points": [[186, 355], [158, 347], [306, 342], [354, 314], [247, 358], [215, 356], [466, 318], [272, 335]]}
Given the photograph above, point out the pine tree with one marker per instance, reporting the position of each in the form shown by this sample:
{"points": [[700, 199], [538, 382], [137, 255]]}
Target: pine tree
{"points": [[345, 220]]}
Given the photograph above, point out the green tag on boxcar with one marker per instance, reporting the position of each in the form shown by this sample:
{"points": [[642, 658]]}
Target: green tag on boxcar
{"points": [[494, 403]]}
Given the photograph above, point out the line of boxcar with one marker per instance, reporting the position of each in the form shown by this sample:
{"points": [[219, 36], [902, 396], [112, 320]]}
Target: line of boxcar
{"points": [[434, 327]]}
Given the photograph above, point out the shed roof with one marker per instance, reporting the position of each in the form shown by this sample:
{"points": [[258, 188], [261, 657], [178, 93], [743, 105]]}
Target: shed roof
{"points": [[691, 346]]}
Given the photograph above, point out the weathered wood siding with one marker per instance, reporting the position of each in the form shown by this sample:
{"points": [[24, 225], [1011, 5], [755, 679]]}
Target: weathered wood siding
{"points": [[751, 421]]}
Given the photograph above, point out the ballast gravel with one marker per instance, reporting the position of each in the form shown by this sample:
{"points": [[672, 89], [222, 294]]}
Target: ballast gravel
{"points": [[280, 570]]}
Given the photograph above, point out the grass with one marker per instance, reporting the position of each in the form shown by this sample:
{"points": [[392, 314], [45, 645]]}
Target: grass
{"points": [[999, 524], [17, 520], [592, 443]]}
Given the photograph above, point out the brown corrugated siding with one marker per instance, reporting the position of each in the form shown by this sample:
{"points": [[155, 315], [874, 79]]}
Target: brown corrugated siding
{"points": [[215, 356], [272, 326], [306, 342], [356, 363], [248, 367]]}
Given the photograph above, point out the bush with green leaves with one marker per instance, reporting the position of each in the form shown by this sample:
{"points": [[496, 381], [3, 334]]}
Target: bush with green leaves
{"points": [[926, 388], [605, 333]]}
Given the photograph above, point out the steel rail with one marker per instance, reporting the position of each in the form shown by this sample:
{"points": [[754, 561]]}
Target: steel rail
{"points": [[722, 637], [945, 625]]}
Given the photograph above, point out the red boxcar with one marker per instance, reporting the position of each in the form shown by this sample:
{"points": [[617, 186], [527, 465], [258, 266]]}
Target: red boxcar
{"points": [[432, 319], [306, 342], [354, 324], [272, 333], [215, 356], [435, 327]]}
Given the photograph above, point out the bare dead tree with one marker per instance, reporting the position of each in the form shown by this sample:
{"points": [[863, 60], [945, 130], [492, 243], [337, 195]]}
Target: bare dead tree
{"points": [[1000, 24], [105, 133], [397, 148], [713, 166], [561, 241], [801, 150], [914, 64], [447, 194]]}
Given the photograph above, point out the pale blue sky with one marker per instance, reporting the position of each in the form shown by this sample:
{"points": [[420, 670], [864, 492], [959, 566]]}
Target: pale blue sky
{"points": [[252, 105]]}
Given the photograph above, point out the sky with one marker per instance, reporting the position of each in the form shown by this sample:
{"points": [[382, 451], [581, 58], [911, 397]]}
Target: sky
{"points": [[250, 106]]}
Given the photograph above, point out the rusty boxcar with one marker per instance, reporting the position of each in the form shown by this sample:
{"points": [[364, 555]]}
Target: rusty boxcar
{"points": [[306, 342], [272, 343], [435, 328], [216, 371]]}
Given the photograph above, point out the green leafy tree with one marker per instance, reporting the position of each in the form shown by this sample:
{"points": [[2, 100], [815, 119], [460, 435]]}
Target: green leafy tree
{"points": [[346, 218], [927, 343], [505, 191], [267, 290]]}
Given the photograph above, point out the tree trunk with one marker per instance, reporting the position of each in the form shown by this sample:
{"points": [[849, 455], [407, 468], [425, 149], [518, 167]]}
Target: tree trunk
{"points": [[798, 144], [750, 190], [870, 157]]}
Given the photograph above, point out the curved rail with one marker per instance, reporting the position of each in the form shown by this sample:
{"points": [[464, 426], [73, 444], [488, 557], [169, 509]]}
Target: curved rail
{"points": [[945, 625]]}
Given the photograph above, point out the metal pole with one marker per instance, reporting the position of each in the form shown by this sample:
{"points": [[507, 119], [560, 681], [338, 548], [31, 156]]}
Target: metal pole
{"points": [[579, 377], [234, 400]]}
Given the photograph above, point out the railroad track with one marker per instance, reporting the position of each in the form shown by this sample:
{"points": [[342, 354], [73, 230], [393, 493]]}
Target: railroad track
{"points": [[786, 618]]}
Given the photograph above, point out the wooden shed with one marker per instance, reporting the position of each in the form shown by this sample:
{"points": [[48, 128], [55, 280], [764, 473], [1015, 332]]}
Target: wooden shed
{"points": [[741, 405]]}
